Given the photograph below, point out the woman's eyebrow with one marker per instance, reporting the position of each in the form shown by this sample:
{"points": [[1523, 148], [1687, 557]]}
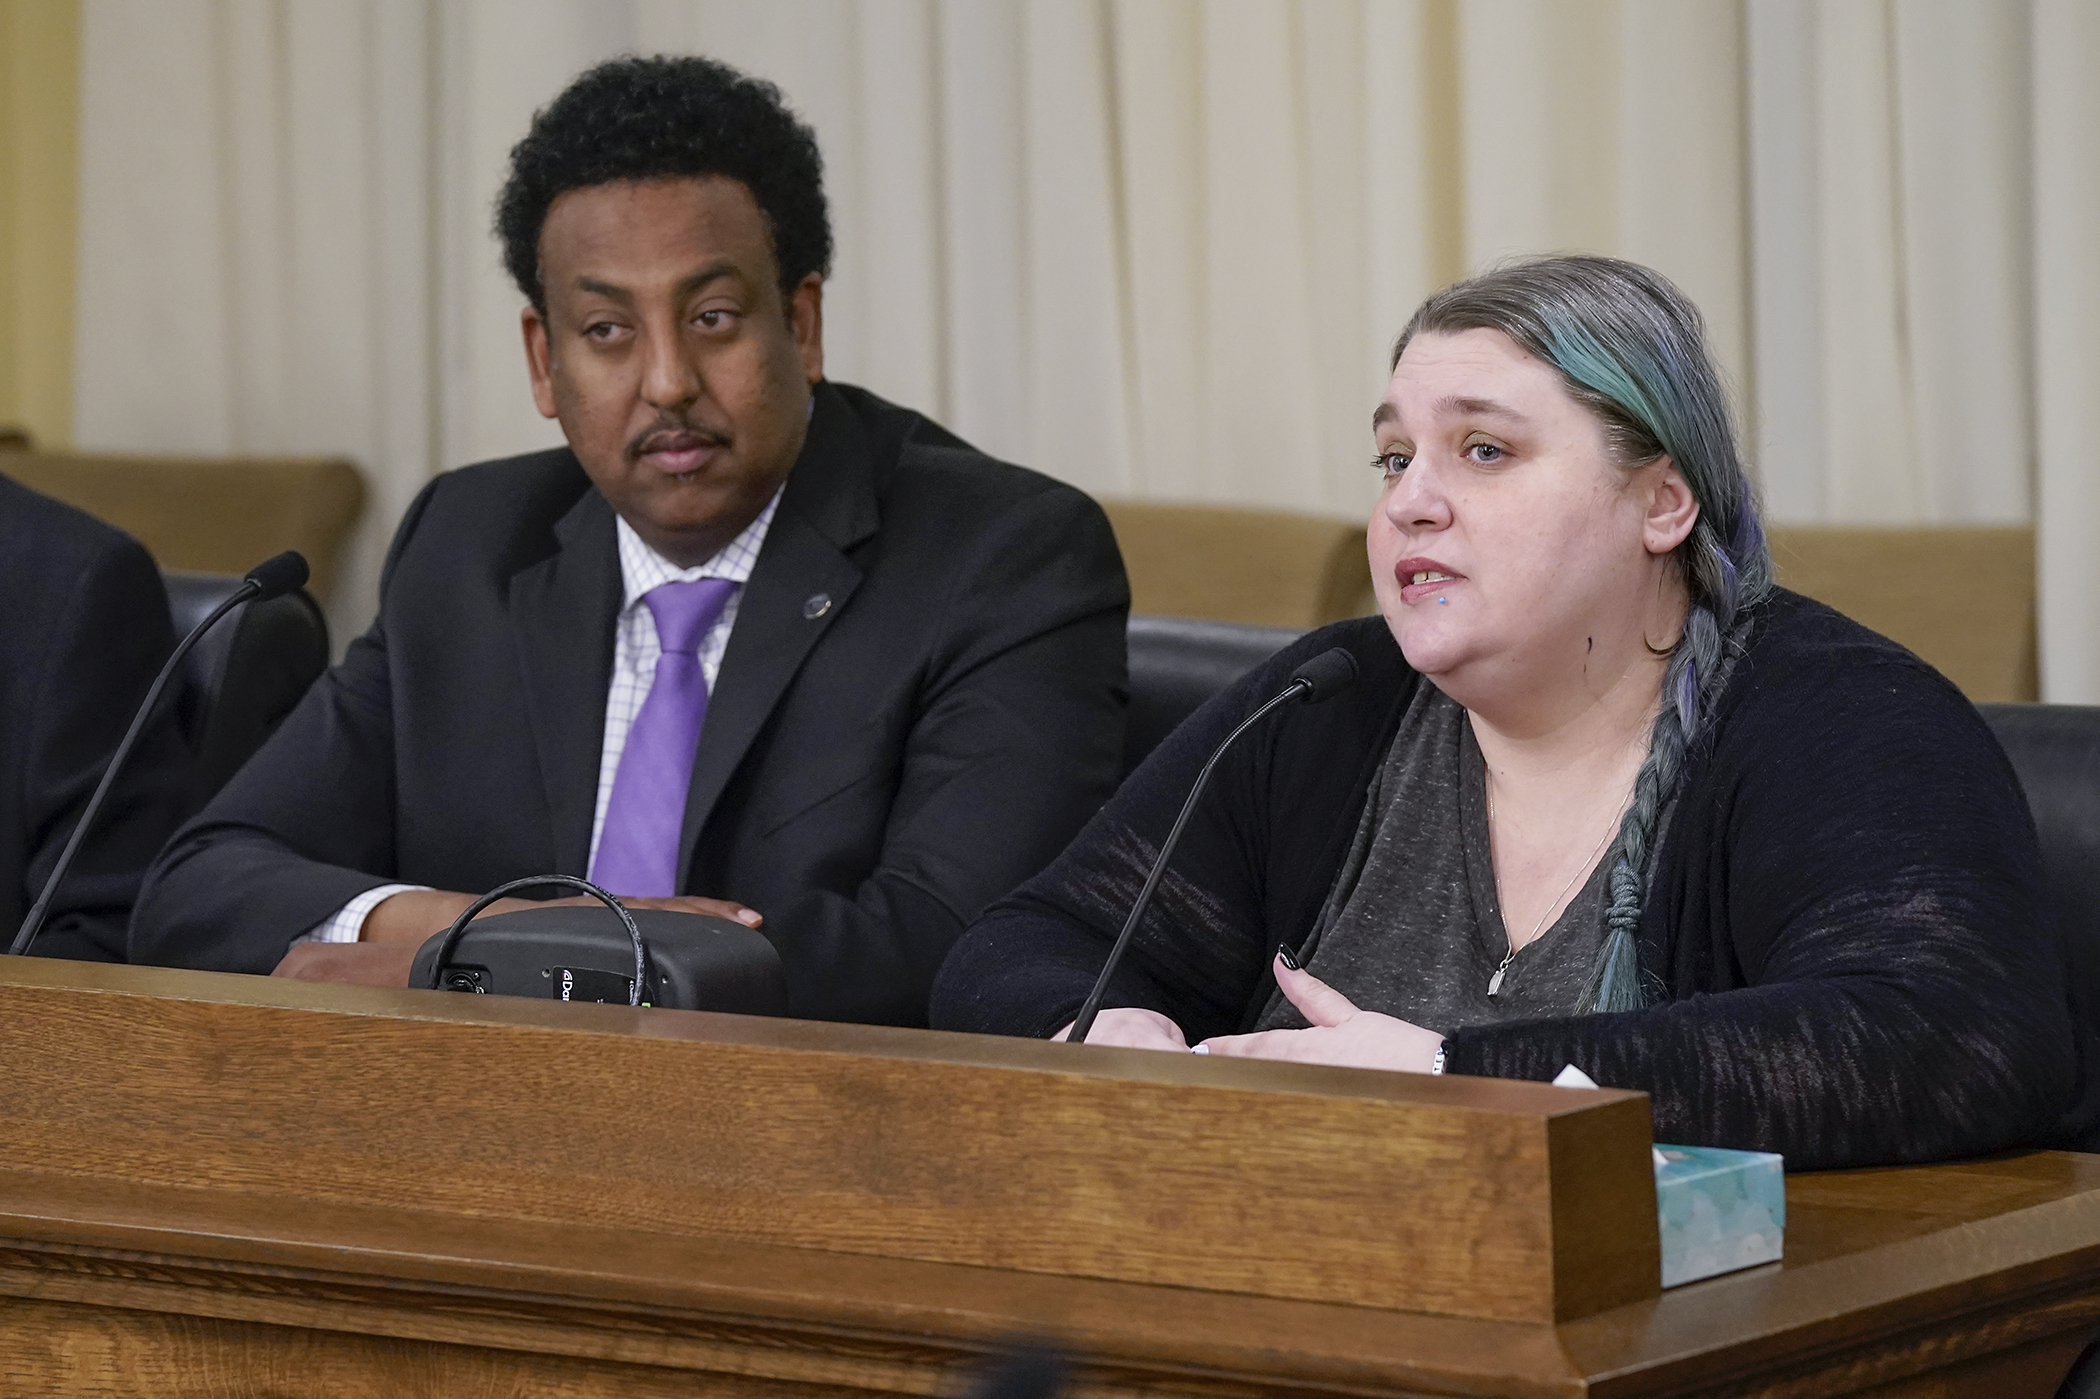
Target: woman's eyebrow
{"points": [[1453, 407], [1478, 408]]}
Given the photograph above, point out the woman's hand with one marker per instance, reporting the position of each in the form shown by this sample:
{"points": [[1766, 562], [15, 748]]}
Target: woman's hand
{"points": [[1133, 1029], [1340, 1034]]}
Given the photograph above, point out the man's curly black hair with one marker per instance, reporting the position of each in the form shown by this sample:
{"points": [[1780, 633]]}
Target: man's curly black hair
{"points": [[668, 117]]}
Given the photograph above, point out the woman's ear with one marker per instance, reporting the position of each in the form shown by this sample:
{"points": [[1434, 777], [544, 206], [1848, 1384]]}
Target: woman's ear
{"points": [[1672, 508]]}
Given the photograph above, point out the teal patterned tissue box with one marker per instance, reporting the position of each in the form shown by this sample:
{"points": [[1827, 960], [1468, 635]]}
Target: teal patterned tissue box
{"points": [[1718, 1210]]}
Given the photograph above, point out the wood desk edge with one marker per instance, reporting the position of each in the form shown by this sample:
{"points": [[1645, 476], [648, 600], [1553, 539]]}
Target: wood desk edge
{"points": [[805, 1036], [434, 1276]]}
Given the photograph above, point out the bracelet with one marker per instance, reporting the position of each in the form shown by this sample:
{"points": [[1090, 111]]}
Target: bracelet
{"points": [[1436, 1065]]}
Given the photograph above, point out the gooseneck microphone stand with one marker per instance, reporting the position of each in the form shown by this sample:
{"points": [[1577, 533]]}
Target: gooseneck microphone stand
{"points": [[1328, 673]]}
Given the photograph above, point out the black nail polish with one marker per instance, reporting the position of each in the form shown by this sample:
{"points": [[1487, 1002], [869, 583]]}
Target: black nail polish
{"points": [[1283, 950]]}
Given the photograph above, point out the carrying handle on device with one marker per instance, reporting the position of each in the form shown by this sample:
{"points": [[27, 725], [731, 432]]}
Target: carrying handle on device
{"points": [[459, 926]]}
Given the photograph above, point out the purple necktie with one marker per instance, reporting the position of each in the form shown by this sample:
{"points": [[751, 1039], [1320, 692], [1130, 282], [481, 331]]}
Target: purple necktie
{"points": [[638, 847]]}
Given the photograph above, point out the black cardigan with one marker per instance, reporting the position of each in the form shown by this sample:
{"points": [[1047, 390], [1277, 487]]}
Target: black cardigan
{"points": [[1847, 910]]}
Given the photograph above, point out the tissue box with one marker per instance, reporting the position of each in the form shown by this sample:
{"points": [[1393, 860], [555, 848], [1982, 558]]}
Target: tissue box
{"points": [[1718, 1210]]}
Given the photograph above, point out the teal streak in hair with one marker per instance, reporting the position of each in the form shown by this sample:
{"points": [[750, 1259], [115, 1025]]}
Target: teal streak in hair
{"points": [[1583, 358]]}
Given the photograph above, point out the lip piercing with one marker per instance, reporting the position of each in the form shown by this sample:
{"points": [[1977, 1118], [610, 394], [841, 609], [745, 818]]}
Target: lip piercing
{"points": [[1442, 600]]}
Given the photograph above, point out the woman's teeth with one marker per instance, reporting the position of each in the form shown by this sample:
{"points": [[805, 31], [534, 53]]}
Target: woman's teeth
{"points": [[1432, 578]]}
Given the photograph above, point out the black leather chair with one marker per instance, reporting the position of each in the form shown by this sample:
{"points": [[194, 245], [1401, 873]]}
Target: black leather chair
{"points": [[245, 674], [2055, 750], [1176, 663]]}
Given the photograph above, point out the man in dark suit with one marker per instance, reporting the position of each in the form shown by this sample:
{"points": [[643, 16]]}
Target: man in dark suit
{"points": [[754, 644], [82, 632]]}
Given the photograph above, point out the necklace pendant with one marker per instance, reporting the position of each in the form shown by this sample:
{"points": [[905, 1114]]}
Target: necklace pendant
{"points": [[1495, 981]]}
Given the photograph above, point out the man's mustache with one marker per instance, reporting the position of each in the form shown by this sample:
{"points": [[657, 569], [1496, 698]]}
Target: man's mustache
{"points": [[675, 436]]}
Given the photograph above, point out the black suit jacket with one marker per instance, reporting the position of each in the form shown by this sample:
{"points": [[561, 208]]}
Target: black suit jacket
{"points": [[83, 627], [871, 774]]}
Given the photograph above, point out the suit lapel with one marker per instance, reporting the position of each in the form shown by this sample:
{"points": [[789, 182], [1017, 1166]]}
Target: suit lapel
{"points": [[828, 506], [563, 611]]}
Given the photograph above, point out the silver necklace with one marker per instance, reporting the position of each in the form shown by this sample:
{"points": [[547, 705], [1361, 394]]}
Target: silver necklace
{"points": [[1495, 981]]}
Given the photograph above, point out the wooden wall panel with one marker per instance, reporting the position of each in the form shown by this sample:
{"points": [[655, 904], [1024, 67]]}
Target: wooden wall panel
{"points": [[57, 1350], [39, 143]]}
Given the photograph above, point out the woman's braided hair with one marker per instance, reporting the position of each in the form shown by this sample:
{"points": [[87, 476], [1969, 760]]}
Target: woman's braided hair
{"points": [[1632, 349]]}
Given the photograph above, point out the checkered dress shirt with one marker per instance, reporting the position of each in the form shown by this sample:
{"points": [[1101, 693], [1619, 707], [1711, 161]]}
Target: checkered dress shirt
{"points": [[635, 649]]}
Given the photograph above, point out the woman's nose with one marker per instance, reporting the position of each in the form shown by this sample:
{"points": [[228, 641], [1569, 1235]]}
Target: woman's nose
{"points": [[1415, 499]]}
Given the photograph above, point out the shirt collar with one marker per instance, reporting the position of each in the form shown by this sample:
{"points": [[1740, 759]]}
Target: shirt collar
{"points": [[642, 568]]}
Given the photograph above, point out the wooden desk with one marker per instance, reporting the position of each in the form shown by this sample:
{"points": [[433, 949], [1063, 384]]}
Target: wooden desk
{"points": [[155, 1273]]}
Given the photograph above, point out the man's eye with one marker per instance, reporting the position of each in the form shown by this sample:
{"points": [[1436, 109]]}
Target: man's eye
{"points": [[716, 319], [601, 330], [1391, 463], [1484, 452]]}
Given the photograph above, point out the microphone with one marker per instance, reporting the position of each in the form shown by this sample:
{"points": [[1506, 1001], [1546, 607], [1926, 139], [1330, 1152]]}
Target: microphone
{"points": [[271, 578], [1323, 677]]}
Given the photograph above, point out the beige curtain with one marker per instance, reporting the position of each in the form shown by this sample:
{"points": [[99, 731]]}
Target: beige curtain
{"points": [[1891, 182], [1155, 247], [256, 206], [2066, 388], [1161, 247]]}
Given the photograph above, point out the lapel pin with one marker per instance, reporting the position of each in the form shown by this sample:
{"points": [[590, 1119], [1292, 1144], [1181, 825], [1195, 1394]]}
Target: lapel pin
{"points": [[815, 606]]}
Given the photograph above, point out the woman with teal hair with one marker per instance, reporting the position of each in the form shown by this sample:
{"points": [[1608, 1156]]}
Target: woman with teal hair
{"points": [[1603, 795]]}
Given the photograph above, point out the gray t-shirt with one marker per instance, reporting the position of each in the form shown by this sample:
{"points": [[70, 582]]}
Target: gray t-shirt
{"points": [[1412, 927]]}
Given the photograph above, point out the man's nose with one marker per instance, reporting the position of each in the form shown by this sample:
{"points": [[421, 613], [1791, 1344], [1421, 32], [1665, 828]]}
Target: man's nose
{"points": [[669, 379]]}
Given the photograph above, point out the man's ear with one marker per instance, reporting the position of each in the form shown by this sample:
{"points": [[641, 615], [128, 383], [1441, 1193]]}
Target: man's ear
{"points": [[806, 320], [537, 359], [1672, 508]]}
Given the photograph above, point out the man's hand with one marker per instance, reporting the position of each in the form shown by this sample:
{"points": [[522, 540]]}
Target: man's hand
{"points": [[400, 924], [1134, 1029], [682, 903], [360, 963], [1340, 1034], [414, 915]]}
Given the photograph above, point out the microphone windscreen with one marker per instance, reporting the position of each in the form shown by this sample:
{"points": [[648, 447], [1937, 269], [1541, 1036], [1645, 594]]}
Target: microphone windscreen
{"points": [[1031, 1374], [1326, 675], [278, 575]]}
